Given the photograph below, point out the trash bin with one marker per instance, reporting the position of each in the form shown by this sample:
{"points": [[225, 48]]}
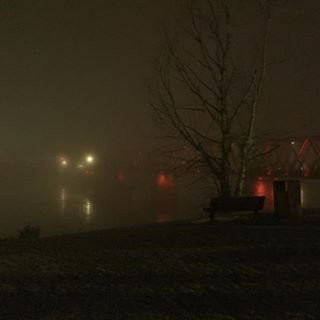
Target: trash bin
{"points": [[287, 198]]}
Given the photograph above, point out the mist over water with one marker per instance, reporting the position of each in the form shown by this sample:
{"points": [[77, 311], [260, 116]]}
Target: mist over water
{"points": [[62, 205]]}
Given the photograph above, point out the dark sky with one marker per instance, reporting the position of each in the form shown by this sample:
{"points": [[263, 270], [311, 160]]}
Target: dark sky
{"points": [[73, 73]]}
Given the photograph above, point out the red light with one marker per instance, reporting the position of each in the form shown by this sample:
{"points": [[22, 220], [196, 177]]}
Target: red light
{"points": [[161, 180], [165, 181], [264, 188], [261, 188], [121, 176]]}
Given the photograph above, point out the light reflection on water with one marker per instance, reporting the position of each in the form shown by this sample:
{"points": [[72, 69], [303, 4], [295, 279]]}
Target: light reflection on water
{"points": [[75, 204], [88, 209], [63, 199], [65, 209]]}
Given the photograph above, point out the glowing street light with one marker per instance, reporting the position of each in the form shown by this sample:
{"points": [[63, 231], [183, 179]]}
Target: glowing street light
{"points": [[63, 162], [90, 159]]}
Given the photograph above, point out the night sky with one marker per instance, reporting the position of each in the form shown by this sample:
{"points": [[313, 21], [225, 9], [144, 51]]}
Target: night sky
{"points": [[73, 73]]}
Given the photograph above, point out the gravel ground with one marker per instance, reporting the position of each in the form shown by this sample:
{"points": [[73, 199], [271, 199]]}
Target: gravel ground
{"points": [[169, 271]]}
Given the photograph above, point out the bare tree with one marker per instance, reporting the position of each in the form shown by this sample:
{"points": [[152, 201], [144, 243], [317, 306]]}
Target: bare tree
{"points": [[207, 95]]}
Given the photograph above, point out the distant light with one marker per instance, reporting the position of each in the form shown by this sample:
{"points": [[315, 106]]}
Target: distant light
{"points": [[293, 142], [260, 188], [165, 181], [80, 166], [90, 159], [63, 161]]}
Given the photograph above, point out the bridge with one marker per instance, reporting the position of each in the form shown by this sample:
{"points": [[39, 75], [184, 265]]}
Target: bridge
{"points": [[291, 158]]}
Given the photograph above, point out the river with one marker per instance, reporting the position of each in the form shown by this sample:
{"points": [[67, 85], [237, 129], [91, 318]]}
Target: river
{"points": [[59, 207]]}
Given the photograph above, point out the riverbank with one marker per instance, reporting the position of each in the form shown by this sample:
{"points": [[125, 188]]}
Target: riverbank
{"points": [[170, 271]]}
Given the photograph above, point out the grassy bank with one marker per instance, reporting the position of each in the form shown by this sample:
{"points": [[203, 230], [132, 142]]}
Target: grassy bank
{"points": [[174, 271]]}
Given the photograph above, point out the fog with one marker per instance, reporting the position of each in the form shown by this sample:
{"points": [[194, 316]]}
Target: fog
{"points": [[73, 81], [62, 199]]}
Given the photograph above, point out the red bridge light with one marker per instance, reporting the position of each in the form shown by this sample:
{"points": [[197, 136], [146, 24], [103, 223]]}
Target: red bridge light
{"points": [[165, 181]]}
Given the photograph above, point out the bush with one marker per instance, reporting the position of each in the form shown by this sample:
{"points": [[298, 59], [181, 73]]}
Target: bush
{"points": [[30, 232]]}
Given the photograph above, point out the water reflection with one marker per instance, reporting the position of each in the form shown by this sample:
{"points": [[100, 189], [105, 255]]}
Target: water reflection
{"points": [[63, 200], [59, 208], [88, 209], [75, 205]]}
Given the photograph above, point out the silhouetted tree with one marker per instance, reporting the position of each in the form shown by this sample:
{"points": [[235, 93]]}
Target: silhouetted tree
{"points": [[210, 81]]}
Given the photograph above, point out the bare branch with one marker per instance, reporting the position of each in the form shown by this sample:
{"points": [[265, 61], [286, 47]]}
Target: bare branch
{"points": [[199, 99]]}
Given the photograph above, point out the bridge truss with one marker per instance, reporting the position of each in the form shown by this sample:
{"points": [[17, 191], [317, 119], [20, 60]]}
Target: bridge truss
{"points": [[292, 158]]}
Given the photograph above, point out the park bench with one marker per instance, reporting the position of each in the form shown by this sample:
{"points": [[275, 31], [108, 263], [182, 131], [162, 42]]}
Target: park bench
{"points": [[235, 204]]}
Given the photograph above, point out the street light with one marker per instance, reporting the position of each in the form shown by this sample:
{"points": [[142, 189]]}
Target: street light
{"points": [[90, 159], [63, 162]]}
